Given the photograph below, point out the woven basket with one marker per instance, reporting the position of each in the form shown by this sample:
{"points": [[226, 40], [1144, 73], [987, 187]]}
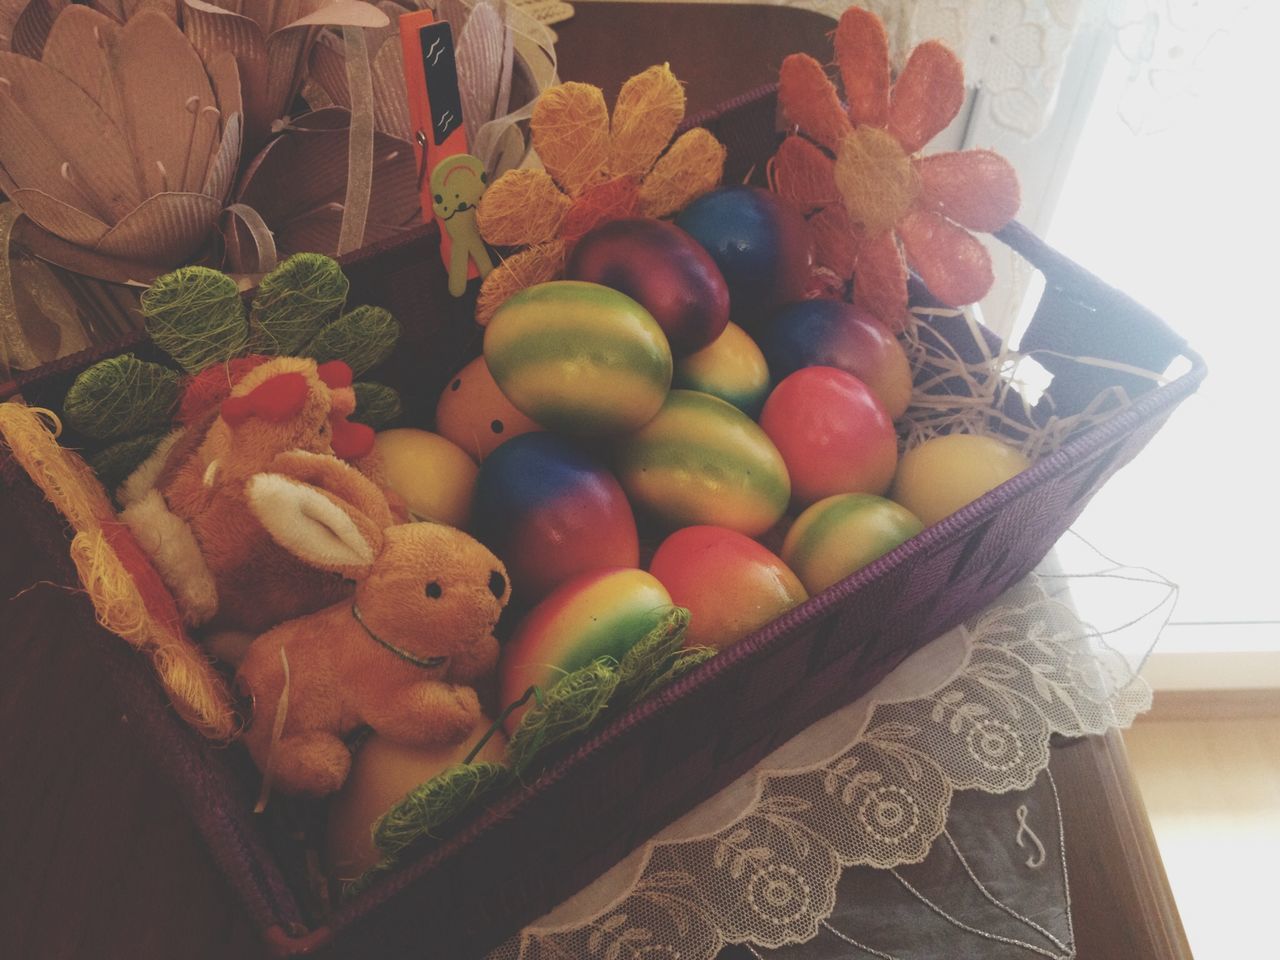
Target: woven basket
{"points": [[538, 843]]}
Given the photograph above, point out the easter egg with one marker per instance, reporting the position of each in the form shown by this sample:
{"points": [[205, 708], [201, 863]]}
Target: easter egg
{"points": [[842, 534], [832, 333], [730, 584], [664, 270], [832, 432], [475, 414], [943, 474], [760, 244], [382, 773], [579, 358], [550, 512], [702, 460], [433, 475], [599, 614], [730, 367]]}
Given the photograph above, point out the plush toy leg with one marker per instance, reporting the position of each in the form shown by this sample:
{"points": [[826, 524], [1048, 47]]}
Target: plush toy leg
{"points": [[312, 764], [426, 713]]}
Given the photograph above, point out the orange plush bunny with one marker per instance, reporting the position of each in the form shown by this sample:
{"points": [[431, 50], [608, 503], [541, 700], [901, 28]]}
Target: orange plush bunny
{"points": [[397, 657], [187, 503]]}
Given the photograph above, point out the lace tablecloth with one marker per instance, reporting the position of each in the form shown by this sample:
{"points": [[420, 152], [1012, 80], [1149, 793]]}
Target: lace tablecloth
{"points": [[922, 813]]}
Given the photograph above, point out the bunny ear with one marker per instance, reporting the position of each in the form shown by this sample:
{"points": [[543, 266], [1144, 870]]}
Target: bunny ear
{"points": [[315, 527]]}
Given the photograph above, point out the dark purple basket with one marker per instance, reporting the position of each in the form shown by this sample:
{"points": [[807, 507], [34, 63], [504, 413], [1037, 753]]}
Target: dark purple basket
{"points": [[540, 842]]}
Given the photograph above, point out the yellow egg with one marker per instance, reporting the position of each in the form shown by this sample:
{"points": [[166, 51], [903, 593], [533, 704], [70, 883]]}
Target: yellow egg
{"points": [[943, 474], [382, 772], [435, 476]]}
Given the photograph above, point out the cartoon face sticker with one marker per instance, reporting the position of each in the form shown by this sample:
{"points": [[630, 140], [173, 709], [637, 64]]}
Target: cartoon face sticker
{"points": [[456, 185]]}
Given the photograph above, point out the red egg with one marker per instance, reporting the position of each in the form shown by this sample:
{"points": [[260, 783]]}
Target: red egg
{"points": [[833, 434], [663, 269], [730, 584]]}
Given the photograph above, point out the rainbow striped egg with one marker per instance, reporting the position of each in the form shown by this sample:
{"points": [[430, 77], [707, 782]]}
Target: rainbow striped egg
{"points": [[703, 461], [599, 614], [579, 358], [731, 367], [842, 534]]}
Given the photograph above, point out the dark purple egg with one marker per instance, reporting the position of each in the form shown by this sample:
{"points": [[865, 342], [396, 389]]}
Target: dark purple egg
{"points": [[664, 270]]}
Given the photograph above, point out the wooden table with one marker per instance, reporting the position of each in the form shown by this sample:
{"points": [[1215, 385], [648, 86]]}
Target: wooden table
{"points": [[99, 859]]}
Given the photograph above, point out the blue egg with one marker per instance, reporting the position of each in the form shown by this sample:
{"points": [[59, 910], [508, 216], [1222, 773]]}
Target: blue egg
{"points": [[761, 245], [551, 512]]}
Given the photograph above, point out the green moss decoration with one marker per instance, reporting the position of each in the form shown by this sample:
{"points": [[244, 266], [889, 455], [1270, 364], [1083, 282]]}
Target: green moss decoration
{"points": [[122, 397], [362, 338], [652, 655], [294, 302], [376, 404], [431, 805], [114, 464], [568, 708], [195, 315], [684, 662]]}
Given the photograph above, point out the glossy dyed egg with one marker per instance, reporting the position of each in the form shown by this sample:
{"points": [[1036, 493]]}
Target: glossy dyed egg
{"points": [[476, 415], [579, 358], [833, 433], [703, 461], [943, 474], [760, 244], [433, 475], [664, 270], [832, 333], [731, 367], [550, 512], [382, 772], [599, 614], [842, 534], [730, 584]]}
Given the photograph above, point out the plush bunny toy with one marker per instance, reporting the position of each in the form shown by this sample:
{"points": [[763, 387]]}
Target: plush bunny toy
{"points": [[397, 657]]}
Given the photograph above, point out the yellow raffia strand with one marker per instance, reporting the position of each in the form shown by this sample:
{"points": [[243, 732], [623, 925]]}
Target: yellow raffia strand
{"points": [[994, 383], [523, 207], [876, 178], [570, 132], [535, 265], [649, 108], [197, 692], [61, 475], [693, 166]]}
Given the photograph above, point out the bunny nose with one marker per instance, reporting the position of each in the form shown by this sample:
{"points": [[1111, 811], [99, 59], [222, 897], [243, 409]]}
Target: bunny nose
{"points": [[497, 584]]}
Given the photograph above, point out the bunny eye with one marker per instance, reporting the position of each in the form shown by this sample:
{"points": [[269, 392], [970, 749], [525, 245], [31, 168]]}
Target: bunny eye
{"points": [[434, 590]]}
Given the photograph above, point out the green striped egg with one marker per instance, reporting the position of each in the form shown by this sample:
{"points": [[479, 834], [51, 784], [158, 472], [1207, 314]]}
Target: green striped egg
{"points": [[842, 534], [731, 367], [579, 358], [702, 460]]}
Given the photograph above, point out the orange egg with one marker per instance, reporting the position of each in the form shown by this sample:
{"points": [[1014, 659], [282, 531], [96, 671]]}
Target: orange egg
{"points": [[730, 584], [476, 415]]}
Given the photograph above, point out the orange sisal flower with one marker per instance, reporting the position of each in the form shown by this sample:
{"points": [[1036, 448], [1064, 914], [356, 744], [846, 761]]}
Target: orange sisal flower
{"points": [[595, 171], [858, 176]]}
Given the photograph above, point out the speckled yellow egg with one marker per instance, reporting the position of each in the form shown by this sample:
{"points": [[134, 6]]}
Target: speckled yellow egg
{"points": [[579, 358], [731, 367], [382, 772], [943, 474], [701, 460], [433, 475], [476, 415]]}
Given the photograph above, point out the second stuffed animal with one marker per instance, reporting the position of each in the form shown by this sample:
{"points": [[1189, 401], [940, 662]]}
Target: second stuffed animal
{"points": [[398, 657]]}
